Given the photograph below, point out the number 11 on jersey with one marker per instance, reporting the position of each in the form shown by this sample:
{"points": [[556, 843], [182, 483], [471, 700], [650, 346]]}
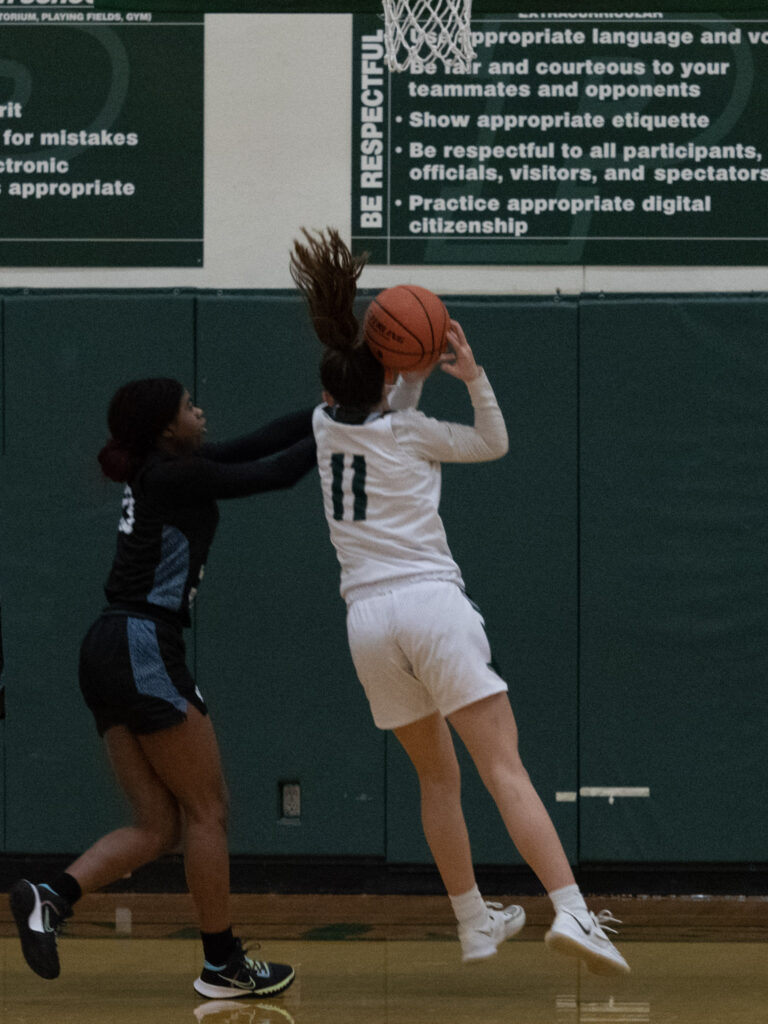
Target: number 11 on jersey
{"points": [[359, 497]]}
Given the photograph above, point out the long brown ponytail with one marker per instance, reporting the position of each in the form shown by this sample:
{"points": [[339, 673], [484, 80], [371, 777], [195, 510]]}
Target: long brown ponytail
{"points": [[326, 274]]}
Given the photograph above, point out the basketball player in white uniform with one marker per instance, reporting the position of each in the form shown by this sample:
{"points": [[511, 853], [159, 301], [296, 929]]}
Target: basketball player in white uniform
{"points": [[418, 643]]}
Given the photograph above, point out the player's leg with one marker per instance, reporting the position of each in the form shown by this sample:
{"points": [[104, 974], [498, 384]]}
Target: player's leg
{"points": [[400, 701], [40, 909], [156, 827], [429, 746], [489, 731], [186, 758]]}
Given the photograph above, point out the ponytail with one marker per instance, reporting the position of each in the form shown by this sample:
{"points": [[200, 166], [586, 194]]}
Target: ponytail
{"points": [[116, 462], [326, 273], [138, 414]]}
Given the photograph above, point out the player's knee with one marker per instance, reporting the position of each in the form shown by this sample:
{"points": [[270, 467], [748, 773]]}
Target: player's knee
{"points": [[161, 835], [210, 811], [505, 776], [440, 776]]}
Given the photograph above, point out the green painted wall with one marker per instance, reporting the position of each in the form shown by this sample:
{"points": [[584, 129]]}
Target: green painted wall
{"points": [[674, 572], [619, 553]]}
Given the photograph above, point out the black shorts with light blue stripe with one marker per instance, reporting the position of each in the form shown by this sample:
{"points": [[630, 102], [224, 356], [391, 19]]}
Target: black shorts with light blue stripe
{"points": [[133, 672]]}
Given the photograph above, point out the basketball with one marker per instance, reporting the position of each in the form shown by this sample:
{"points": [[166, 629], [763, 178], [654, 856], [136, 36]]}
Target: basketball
{"points": [[406, 326]]}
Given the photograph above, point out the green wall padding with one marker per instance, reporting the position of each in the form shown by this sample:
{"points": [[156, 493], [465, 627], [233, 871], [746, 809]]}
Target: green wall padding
{"points": [[3, 515], [674, 576], [618, 553], [65, 356]]}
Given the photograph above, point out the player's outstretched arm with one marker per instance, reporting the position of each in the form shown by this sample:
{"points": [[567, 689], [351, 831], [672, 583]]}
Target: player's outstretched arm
{"points": [[443, 441]]}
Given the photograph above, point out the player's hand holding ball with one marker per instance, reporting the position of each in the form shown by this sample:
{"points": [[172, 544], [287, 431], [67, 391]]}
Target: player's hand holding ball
{"points": [[459, 362]]}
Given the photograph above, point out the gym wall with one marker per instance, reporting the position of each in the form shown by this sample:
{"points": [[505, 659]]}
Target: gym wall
{"points": [[618, 552]]}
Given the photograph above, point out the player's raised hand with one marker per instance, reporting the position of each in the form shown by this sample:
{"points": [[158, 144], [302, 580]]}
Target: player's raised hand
{"points": [[460, 360]]}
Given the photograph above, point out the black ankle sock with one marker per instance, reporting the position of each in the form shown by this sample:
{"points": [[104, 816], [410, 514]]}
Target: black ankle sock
{"points": [[218, 946], [67, 887]]}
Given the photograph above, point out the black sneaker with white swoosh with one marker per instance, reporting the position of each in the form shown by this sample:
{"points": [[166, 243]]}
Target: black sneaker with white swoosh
{"points": [[243, 977], [38, 913]]}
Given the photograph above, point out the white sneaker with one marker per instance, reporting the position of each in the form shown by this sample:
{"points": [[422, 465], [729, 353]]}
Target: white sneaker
{"points": [[583, 935], [480, 943]]}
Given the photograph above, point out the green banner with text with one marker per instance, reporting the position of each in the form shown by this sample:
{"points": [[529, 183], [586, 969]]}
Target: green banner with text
{"points": [[479, 7], [101, 136], [581, 138]]}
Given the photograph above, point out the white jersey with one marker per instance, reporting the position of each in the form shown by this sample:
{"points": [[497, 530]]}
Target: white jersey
{"points": [[381, 486]]}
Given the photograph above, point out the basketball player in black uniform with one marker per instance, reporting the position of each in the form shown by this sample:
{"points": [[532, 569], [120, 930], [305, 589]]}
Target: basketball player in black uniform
{"points": [[134, 677]]}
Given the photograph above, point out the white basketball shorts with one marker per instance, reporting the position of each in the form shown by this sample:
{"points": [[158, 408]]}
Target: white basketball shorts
{"points": [[418, 649]]}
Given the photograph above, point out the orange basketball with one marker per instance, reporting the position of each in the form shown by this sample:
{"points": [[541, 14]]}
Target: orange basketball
{"points": [[406, 326]]}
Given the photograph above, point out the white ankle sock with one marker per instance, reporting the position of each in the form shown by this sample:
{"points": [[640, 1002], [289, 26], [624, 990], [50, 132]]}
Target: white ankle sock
{"points": [[568, 898], [470, 908]]}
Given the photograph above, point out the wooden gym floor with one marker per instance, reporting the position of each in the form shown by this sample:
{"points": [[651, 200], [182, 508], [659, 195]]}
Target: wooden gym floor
{"points": [[131, 959]]}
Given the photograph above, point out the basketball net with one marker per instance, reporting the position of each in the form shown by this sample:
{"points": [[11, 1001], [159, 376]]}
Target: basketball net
{"points": [[418, 33]]}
